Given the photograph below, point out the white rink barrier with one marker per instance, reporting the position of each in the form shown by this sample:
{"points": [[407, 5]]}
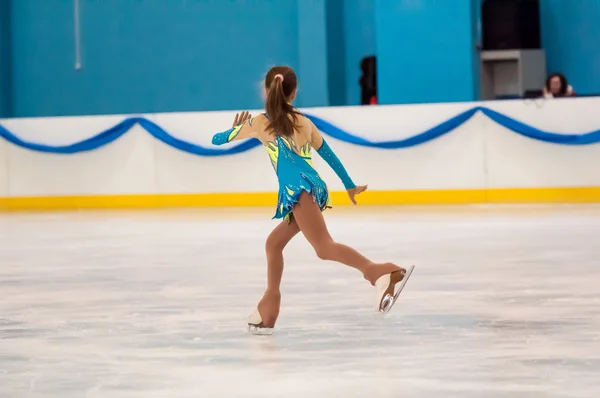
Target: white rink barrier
{"points": [[477, 158]]}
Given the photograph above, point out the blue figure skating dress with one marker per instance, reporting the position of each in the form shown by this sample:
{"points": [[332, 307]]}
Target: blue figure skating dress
{"points": [[296, 174], [293, 166]]}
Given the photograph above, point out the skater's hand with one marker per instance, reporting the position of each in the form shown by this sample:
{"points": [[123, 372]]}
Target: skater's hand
{"points": [[352, 192], [239, 119]]}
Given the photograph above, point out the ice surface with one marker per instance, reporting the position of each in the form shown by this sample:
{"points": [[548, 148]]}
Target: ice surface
{"points": [[504, 302]]}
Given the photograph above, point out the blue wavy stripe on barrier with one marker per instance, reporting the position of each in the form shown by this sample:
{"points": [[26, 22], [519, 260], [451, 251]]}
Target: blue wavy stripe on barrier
{"points": [[115, 132], [157, 132], [431, 134]]}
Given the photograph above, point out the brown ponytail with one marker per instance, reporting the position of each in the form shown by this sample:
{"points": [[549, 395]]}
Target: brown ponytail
{"points": [[281, 82]]}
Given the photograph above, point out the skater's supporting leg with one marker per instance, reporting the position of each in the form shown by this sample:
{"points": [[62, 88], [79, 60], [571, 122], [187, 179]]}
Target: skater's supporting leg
{"points": [[276, 242], [269, 305], [312, 224]]}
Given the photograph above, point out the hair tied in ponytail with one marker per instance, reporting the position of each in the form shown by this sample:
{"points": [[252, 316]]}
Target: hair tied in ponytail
{"points": [[283, 117]]}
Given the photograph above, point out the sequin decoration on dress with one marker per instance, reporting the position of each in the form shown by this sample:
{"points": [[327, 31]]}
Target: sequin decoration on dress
{"points": [[296, 174]]}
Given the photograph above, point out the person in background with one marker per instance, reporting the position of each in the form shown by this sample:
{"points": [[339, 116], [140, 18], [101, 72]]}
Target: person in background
{"points": [[557, 86], [368, 81]]}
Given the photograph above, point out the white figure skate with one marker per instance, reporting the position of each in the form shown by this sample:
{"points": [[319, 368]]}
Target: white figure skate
{"points": [[255, 325]]}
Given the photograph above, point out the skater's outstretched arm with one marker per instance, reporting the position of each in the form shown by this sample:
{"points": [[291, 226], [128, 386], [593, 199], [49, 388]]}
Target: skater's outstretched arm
{"points": [[244, 127], [323, 149]]}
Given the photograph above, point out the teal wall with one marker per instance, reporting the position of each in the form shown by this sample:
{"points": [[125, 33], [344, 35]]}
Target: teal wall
{"points": [[425, 51], [177, 55], [191, 55], [336, 52], [571, 37], [5, 60], [156, 55], [312, 54], [350, 38], [359, 19]]}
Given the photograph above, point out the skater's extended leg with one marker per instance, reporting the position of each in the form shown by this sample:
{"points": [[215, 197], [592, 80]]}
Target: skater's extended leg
{"points": [[312, 224], [383, 276], [268, 307]]}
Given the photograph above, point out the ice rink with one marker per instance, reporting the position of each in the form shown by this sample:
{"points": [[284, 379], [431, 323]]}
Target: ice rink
{"points": [[504, 302]]}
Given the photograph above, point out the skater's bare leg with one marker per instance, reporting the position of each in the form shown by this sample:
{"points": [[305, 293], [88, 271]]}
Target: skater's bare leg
{"points": [[276, 242], [269, 305], [312, 224]]}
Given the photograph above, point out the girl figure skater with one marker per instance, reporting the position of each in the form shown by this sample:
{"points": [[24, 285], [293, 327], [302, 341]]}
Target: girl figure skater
{"points": [[288, 136]]}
